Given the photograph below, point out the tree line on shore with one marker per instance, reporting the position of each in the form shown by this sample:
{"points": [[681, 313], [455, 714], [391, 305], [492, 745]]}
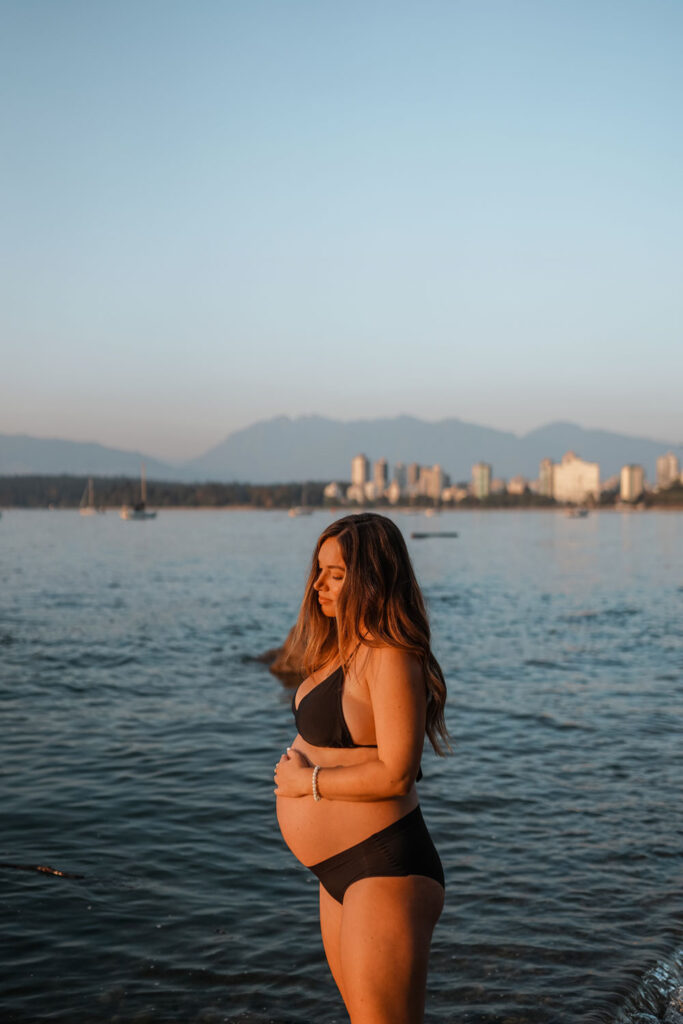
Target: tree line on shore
{"points": [[112, 492]]}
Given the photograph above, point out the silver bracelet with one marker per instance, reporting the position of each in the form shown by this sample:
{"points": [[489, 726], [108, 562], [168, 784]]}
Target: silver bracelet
{"points": [[314, 782]]}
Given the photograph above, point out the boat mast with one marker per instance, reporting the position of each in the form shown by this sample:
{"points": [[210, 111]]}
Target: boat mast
{"points": [[91, 493], [143, 485]]}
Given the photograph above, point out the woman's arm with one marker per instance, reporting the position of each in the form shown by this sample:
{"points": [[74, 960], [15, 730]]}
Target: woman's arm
{"points": [[397, 694]]}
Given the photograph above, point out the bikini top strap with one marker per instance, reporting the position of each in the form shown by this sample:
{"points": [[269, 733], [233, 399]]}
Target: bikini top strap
{"points": [[345, 664]]}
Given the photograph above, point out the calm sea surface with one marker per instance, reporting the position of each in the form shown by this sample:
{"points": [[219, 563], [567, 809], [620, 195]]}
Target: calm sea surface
{"points": [[138, 737]]}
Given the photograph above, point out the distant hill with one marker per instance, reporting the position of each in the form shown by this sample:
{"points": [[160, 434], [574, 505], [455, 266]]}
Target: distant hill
{"points": [[315, 448], [22, 454]]}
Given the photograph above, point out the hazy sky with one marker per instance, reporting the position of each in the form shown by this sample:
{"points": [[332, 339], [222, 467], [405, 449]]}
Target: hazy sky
{"points": [[217, 212]]}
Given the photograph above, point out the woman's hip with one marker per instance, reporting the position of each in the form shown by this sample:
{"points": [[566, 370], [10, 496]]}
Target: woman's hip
{"points": [[404, 847]]}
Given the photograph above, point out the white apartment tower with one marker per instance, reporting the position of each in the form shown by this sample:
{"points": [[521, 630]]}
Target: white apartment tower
{"points": [[431, 482], [380, 476], [360, 470], [412, 474], [575, 480], [631, 481], [668, 470], [545, 478], [481, 479], [439, 481]]}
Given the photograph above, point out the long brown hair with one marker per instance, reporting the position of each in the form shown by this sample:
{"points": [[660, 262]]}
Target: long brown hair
{"points": [[380, 603]]}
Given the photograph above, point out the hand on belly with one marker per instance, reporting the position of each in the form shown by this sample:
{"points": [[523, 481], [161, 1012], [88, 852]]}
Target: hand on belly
{"points": [[293, 774], [315, 830]]}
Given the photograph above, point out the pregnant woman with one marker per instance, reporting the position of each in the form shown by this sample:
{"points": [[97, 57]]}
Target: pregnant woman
{"points": [[346, 799]]}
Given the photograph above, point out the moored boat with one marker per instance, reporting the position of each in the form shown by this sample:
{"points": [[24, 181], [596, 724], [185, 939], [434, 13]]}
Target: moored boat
{"points": [[303, 509], [88, 506], [139, 509], [300, 510]]}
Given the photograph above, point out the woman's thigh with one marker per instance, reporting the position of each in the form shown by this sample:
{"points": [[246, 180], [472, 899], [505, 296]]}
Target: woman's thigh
{"points": [[386, 931], [330, 929]]}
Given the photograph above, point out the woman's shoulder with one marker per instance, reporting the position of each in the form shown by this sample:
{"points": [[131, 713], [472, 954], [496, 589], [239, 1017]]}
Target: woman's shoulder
{"points": [[382, 659]]}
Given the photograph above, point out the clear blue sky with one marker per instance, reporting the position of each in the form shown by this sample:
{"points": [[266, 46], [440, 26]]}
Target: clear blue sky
{"points": [[217, 212]]}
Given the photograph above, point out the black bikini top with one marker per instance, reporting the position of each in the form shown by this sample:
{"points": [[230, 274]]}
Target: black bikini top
{"points": [[320, 716]]}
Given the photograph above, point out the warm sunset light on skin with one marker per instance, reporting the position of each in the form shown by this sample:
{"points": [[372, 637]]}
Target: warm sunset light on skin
{"points": [[347, 802], [331, 577]]}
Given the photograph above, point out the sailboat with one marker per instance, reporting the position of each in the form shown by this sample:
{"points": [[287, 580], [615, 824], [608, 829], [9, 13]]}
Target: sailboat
{"points": [[88, 506], [303, 509], [139, 510]]}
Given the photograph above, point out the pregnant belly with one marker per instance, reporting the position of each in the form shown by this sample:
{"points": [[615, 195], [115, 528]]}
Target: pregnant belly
{"points": [[314, 830]]}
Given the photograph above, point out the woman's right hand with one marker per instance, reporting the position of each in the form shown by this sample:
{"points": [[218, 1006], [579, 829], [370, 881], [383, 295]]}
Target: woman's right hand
{"points": [[293, 774]]}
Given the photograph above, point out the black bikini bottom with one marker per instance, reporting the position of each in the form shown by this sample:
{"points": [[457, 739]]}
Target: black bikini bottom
{"points": [[403, 848]]}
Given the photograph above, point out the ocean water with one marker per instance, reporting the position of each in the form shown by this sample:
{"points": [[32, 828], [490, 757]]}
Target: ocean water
{"points": [[138, 736]]}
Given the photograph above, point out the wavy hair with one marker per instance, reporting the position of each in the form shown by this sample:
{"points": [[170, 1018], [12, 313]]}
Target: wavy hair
{"points": [[379, 604]]}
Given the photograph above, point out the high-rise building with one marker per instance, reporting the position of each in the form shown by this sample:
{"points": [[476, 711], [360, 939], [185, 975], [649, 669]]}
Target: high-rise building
{"points": [[380, 476], [440, 480], [631, 483], [481, 479], [424, 481], [412, 474], [400, 475], [431, 482], [545, 477], [575, 480], [668, 470], [360, 470]]}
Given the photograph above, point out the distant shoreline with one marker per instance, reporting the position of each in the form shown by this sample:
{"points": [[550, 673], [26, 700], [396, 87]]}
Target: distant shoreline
{"points": [[73, 492], [338, 510]]}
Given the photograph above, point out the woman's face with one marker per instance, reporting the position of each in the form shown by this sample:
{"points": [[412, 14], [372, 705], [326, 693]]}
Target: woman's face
{"points": [[331, 575]]}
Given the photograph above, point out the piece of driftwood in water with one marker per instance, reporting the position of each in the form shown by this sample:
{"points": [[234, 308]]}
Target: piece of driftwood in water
{"points": [[42, 868], [433, 533], [287, 667]]}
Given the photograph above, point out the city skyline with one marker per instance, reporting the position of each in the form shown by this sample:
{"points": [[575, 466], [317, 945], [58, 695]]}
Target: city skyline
{"points": [[572, 479], [213, 217]]}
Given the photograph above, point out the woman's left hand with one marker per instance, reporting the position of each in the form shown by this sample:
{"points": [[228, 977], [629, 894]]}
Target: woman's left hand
{"points": [[293, 774]]}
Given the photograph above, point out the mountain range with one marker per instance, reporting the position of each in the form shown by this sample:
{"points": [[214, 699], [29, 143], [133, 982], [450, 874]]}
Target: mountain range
{"points": [[284, 449]]}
